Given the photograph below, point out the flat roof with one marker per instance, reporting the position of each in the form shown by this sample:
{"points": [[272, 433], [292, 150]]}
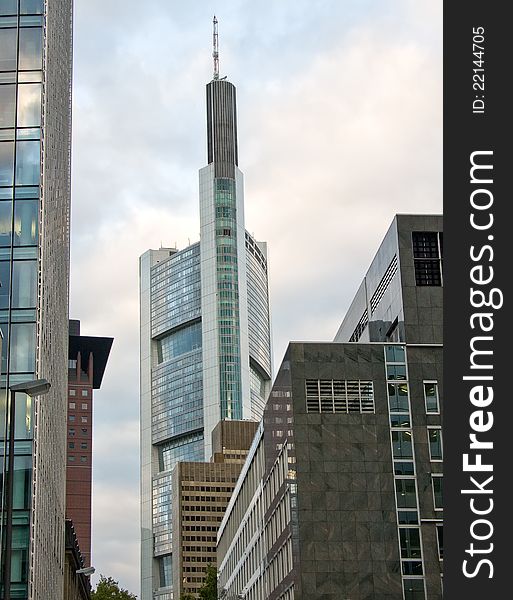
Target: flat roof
{"points": [[99, 346]]}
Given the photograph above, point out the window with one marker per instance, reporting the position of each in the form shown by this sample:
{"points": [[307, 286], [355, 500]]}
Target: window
{"points": [[84, 430], [431, 397], [71, 432], [403, 468], [410, 542], [398, 397], [437, 481], [435, 443], [440, 540], [406, 494], [72, 392], [71, 418], [414, 589], [427, 255], [401, 444], [84, 405], [83, 419], [71, 405], [71, 445], [83, 445], [85, 393], [71, 458], [83, 459]]}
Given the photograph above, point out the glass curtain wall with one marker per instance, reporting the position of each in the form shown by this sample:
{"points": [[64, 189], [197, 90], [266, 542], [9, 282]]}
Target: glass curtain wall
{"points": [[21, 42], [228, 299]]}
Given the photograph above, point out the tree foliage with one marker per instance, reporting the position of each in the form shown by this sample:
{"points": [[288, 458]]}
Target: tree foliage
{"points": [[208, 591], [108, 589]]}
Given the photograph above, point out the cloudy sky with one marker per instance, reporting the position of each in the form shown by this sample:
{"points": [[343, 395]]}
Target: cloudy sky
{"points": [[340, 127]]}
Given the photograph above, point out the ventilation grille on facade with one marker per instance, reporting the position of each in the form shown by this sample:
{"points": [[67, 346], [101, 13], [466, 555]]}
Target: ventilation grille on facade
{"points": [[330, 396], [362, 324], [383, 284]]}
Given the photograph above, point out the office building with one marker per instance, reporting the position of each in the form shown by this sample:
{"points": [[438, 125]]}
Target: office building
{"points": [[88, 357], [205, 336], [201, 492], [76, 585], [35, 146], [341, 494]]}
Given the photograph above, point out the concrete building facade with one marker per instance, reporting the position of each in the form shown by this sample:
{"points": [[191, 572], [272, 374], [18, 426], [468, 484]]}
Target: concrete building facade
{"points": [[35, 147], [341, 495], [205, 338]]}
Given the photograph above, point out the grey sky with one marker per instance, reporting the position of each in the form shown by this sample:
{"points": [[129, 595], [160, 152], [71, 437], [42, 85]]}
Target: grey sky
{"points": [[340, 127]]}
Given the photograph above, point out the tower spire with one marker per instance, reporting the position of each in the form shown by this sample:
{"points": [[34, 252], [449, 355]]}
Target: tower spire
{"points": [[215, 53]]}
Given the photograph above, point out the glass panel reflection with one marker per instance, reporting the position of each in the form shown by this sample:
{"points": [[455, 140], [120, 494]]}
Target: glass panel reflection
{"points": [[5, 280], [23, 347], [31, 7], [5, 224], [30, 48], [7, 100], [8, 49], [24, 284], [24, 420], [26, 223], [27, 162], [29, 105]]}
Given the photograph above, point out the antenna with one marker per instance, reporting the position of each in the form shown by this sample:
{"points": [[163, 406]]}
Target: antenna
{"points": [[215, 53]]}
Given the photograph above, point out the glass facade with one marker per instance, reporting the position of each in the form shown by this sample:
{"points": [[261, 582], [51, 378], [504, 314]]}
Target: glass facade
{"points": [[228, 299], [21, 35]]}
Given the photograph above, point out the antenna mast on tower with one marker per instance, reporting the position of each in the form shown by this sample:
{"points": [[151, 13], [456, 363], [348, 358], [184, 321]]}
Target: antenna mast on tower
{"points": [[215, 53]]}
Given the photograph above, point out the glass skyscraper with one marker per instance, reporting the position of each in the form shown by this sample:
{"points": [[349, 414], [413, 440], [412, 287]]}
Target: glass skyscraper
{"points": [[35, 146], [205, 338]]}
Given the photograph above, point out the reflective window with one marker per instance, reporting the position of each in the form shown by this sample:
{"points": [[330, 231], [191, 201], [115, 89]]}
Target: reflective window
{"points": [[405, 493], [6, 162], [5, 224], [410, 542], [24, 417], [440, 540], [412, 567], [185, 449], [401, 444], [403, 468], [396, 371], [394, 354], [438, 492], [178, 343], [7, 102], [165, 568], [8, 7], [407, 517], [431, 397], [402, 420], [30, 48], [26, 223], [22, 482], [398, 397], [27, 162], [29, 105], [435, 443], [24, 284], [23, 347], [413, 589], [7, 49]]}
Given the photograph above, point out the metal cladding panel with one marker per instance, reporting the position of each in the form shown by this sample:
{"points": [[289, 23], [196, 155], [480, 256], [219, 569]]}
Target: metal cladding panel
{"points": [[222, 128]]}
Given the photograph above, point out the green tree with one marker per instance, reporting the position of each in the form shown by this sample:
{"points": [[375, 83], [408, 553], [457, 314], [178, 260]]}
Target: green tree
{"points": [[187, 596], [208, 591], [108, 589]]}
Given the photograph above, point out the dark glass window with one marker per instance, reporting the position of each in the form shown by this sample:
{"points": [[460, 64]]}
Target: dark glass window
{"points": [[414, 589], [440, 539], [405, 493], [165, 568], [7, 105], [403, 468], [5, 280], [398, 397], [22, 482], [401, 444], [427, 258], [396, 372], [410, 542], [412, 567], [402, 420], [407, 517]]}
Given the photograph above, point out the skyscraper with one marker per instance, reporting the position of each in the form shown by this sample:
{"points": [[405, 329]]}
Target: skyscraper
{"points": [[87, 361], [35, 146], [205, 336]]}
